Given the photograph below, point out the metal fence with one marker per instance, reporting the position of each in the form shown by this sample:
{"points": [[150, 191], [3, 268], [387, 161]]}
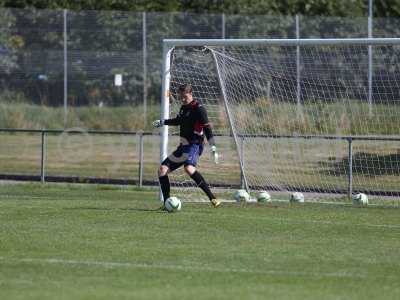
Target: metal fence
{"points": [[77, 155], [67, 59], [89, 157]]}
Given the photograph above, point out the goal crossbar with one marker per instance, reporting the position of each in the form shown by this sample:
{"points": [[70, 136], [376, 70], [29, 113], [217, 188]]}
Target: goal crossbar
{"points": [[280, 42]]}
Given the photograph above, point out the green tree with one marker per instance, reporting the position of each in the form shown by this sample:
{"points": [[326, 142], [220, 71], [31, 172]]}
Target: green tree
{"points": [[9, 43], [351, 8]]}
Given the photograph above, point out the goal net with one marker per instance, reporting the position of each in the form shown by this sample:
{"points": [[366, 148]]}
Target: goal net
{"points": [[320, 117]]}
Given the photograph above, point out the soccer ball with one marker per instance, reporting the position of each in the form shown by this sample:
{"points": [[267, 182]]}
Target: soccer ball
{"points": [[263, 196], [360, 199], [241, 195], [297, 197], [173, 204]]}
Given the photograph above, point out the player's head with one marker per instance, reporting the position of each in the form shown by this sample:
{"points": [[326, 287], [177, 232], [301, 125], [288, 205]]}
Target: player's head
{"points": [[185, 93]]}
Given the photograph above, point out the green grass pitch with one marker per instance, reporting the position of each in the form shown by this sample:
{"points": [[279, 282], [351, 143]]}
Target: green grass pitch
{"points": [[101, 242]]}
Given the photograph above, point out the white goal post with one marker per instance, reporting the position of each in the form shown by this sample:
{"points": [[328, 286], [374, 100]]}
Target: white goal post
{"points": [[293, 122]]}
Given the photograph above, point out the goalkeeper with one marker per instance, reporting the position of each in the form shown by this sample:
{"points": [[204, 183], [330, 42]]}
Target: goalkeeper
{"points": [[194, 125]]}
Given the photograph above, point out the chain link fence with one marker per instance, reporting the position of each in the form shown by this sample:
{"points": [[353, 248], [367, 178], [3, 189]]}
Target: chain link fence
{"points": [[102, 69]]}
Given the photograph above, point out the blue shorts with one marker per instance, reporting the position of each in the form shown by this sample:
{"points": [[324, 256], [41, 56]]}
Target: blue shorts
{"points": [[183, 155]]}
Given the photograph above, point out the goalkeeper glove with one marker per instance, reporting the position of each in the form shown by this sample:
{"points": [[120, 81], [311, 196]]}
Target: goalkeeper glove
{"points": [[214, 154], [158, 123]]}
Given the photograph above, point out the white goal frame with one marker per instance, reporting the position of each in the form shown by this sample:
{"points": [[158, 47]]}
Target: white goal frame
{"points": [[170, 44]]}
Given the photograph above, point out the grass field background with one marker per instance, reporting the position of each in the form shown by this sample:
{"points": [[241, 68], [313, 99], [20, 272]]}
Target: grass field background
{"points": [[352, 117], [100, 242], [269, 163]]}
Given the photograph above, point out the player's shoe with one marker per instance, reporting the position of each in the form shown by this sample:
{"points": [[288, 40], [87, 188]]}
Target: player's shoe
{"points": [[215, 203]]}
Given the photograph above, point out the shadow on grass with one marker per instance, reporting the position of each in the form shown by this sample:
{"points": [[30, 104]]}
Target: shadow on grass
{"points": [[366, 164], [110, 209]]}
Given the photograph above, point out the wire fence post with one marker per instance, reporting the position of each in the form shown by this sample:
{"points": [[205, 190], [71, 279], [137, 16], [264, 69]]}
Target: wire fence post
{"points": [[298, 90], [144, 41], [141, 159], [43, 158], [65, 67], [242, 182], [350, 170], [223, 26], [370, 61]]}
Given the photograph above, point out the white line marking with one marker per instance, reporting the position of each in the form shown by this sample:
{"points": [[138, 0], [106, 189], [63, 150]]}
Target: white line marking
{"points": [[107, 264]]}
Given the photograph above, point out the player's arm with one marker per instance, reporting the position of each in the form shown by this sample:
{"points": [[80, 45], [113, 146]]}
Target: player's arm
{"points": [[208, 132], [203, 118], [174, 122]]}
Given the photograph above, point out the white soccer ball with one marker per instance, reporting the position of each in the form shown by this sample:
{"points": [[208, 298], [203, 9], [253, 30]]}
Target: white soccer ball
{"points": [[297, 197], [173, 204], [360, 199], [242, 196], [263, 196]]}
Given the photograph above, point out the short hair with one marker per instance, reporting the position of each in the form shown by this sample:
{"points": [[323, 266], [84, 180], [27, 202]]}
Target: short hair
{"points": [[185, 88]]}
